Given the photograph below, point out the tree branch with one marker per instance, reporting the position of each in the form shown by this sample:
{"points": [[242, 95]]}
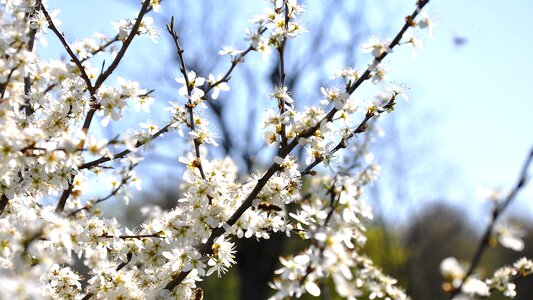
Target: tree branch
{"points": [[498, 210], [93, 89], [206, 247], [190, 106], [73, 56]]}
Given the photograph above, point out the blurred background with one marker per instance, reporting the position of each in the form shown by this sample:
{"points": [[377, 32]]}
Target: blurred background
{"points": [[468, 123]]}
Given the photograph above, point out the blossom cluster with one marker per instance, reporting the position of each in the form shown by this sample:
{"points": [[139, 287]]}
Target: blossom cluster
{"points": [[503, 280], [332, 219], [463, 281], [48, 151]]}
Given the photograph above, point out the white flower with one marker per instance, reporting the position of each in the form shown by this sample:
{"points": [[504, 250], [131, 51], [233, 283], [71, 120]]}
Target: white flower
{"points": [[474, 286], [226, 49], [426, 22], [281, 93], [416, 43], [196, 97], [510, 236], [270, 137], [263, 48], [202, 136], [146, 27], [123, 27], [221, 86], [194, 81], [348, 74], [336, 96], [452, 271], [376, 47], [397, 89], [156, 6], [151, 128], [39, 22], [144, 103]]}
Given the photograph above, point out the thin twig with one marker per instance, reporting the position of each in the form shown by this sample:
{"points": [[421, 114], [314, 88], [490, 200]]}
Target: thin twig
{"points": [[282, 75], [111, 194], [408, 23], [3, 203], [125, 152], [359, 129], [120, 54], [71, 54], [498, 210], [93, 89], [140, 236], [334, 199], [165, 129], [190, 105], [28, 110], [234, 63]]}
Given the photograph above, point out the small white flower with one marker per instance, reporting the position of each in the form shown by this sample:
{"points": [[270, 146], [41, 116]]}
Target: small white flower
{"points": [[221, 86], [426, 22], [229, 50], [281, 93], [194, 81], [376, 47], [452, 271], [510, 236], [474, 286]]}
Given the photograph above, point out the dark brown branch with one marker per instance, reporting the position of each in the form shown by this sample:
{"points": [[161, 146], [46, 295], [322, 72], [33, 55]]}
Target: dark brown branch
{"points": [[333, 201], [281, 104], [111, 194], [3, 203], [190, 105], [498, 210], [120, 54], [3, 86], [234, 63], [206, 247], [409, 22], [28, 110], [93, 89], [73, 56], [125, 152], [359, 129], [140, 236], [64, 196]]}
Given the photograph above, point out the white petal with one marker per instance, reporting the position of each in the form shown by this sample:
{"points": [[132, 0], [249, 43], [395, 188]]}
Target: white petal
{"points": [[511, 242], [312, 288]]}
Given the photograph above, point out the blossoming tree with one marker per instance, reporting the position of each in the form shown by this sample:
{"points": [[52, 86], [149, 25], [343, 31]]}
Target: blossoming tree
{"points": [[48, 151]]}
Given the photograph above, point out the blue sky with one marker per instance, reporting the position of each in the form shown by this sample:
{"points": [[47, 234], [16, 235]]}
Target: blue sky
{"points": [[475, 96], [481, 90]]}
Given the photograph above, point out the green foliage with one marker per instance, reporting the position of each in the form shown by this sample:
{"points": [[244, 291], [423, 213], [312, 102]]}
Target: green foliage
{"points": [[385, 249], [224, 288]]}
